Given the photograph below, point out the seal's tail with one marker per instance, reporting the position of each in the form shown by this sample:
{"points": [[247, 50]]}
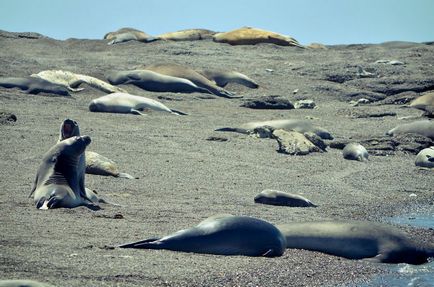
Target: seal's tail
{"points": [[152, 243]]}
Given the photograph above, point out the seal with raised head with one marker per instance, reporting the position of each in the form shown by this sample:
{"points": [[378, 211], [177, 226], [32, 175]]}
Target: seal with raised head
{"points": [[128, 34], [128, 104], [57, 182], [425, 158], [276, 197], [355, 151], [424, 103], [253, 36], [423, 127], [32, 85], [301, 126], [71, 81], [198, 79], [90, 162], [355, 240], [222, 235], [187, 35], [155, 82], [222, 78]]}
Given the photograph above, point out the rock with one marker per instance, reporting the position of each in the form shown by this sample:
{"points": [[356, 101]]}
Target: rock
{"points": [[316, 140], [294, 143], [271, 102], [7, 118], [304, 104]]}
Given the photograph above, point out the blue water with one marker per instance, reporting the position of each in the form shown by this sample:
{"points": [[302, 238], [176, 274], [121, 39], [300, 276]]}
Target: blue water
{"points": [[425, 220]]}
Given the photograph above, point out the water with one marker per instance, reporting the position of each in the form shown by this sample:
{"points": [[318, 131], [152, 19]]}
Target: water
{"points": [[425, 220]]}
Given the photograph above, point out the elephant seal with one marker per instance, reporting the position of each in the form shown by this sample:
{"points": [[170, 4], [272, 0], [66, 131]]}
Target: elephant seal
{"points": [[425, 158], [424, 103], [154, 82], [222, 78], [276, 197], [71, 81], [128, 34], [32, 85], [179, 71], [355, 151], [301, 126], [423, 127], [187, 35], [23, 283], [253, 36], [222, 235], [128, 104], [90, 162], [355, 240], [57, 181]]}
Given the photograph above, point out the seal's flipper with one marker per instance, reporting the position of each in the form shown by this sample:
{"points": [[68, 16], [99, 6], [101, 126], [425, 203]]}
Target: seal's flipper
{"points": [[152, 243], [137, 112], [126, 175], [179, 113]]}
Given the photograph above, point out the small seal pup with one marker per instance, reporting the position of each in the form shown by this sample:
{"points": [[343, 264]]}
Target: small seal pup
{"points": [[355, 240], [90, 162], [355, 151], [187, 35], [222, 235], [179, 71], [71, 81], [301, 126], [128, 104], [423, 127], [276, 197], [424, 103], [222, 78], [128, 34], [155, 82], [253, 36], [425, 158], [57, 182], [23, 283], [32, 85]]}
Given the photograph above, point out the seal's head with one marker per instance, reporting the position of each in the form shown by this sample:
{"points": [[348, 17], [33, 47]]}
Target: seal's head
{"points": [[69, 128], [94, 106]]}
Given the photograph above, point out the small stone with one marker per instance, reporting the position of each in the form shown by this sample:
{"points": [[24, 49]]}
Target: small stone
{"points": [[304, 104]]}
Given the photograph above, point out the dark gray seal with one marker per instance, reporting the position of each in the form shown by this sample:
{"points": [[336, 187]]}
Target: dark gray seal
{"points": [[57, 182], [276, 197], [355, 240], [32, 85], [222, 235]]}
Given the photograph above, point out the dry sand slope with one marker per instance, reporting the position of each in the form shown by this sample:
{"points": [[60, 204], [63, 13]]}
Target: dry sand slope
{"points": [[184, 178]]}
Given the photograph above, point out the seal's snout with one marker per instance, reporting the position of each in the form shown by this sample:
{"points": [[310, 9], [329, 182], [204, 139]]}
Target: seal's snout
{"points": [[93, 107], [86, 139]]}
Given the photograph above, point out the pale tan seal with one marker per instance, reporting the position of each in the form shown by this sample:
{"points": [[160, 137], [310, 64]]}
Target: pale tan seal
{"points": [[128, 104], [423, 127], [425, 158], [71, 81], [276, 197], [57, 182], [222, 235], [355, 240], [252, 36], [128, 34], [180, 71], [424, 103], [355, 151], [222, 78], [187, 35]]}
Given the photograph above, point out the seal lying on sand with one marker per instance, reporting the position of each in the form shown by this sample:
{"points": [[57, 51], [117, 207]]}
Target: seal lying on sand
{"points": [[179, 71], [275, 197], [57, 182], [424, 103], [128, 34], [154, 82], [222, 78], [23, 283], [32, 85], [128, 104], [252, 36], [423, 127], [355, 240], [222, 235], [91, 162], [71, 81], [301, 126], [425, 158], [187, 35], [355, 151]]}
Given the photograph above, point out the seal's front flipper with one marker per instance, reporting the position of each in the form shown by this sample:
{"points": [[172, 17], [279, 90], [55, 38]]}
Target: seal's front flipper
{"points": [[136, 112], [152, 243], [126, 175]]}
